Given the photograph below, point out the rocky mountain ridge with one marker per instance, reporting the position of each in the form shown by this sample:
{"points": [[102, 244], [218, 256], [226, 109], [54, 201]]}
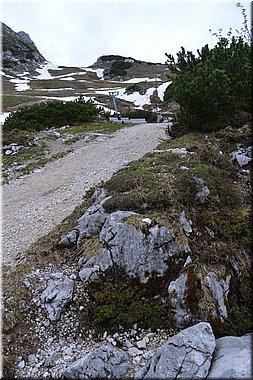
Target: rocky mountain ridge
{"points": [[19, 52]]}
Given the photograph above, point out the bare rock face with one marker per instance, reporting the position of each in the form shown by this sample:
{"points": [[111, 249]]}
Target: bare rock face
{"points": [[139, 253], [19, 52], [186, 355], [105, 362], [189, 288], [177, 290], [232, 358], [219, 289], [89, 224]]}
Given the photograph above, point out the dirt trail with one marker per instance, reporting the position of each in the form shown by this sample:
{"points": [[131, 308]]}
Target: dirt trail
{"points": [[33, 205]]}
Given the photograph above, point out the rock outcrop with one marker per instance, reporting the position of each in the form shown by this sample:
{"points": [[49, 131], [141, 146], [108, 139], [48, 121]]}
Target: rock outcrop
{"points": [[232, 358], [57, 294], [106, 362], [193, 353], [19, 52], [140, 254], [187, 355]]}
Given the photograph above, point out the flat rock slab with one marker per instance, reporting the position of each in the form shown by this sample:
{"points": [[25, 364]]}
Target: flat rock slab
{"points": [[56, 295], [187, 355], [106, 362], [232, 358]]}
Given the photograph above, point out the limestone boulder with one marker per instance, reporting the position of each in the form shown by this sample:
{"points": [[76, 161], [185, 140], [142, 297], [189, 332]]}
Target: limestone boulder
{"points": [[106, 362], [186, 355], [91, 222], [139, 253], [57, 294], [232, 358]]}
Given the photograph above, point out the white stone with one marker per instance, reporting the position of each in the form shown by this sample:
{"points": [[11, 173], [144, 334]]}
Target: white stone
{"points": [[242, 160], [128, 344], [146, 220], [142, 344], [185, 223], [21, 365], [133, 351]]}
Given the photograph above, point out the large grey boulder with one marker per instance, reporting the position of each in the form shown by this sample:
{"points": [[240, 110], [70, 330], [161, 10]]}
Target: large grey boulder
{"points": [[186, 355], [139, 253], [232, 358], [106, 362], [57, 294]]}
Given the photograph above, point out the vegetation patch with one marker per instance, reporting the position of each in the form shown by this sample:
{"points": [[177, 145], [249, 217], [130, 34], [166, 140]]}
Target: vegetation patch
{"points": [[51, 114], [117, 302], [15, 327], [143, 186], [149, 116]]}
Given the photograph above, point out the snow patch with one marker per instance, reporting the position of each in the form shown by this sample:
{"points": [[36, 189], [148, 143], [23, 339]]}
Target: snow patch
{"points": [[136, 98], [161, 89], [3, 116], [99, 72], [68, 78], [64, 98], [138, 80], [21, 84], [55, 89], [43, 70]]}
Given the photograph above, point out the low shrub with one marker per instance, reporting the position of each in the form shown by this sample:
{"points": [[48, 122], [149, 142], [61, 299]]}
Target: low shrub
{"points": [[119, 300], [51, 114], [151, 117]]}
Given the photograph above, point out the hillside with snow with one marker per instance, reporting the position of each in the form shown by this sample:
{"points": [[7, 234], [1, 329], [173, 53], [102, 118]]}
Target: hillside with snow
{"points": [[135, 84], [53, 82]]}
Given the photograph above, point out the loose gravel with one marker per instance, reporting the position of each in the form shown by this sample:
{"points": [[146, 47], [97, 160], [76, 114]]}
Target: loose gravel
{"points": [[34, 204]]}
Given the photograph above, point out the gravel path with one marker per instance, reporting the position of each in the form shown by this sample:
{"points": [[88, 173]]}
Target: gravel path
{"points": [[33, 205]]}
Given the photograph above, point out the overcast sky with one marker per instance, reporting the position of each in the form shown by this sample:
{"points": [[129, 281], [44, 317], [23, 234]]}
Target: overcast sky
{"points": [[77, 32]]}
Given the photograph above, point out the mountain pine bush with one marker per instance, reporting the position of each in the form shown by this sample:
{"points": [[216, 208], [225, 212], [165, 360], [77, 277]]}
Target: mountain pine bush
{"points": [[214, 87], [51, 114]]}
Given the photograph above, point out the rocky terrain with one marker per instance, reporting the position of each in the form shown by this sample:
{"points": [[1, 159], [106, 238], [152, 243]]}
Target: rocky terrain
{"points": [[126, 250], [42, 199], [141, 272], [19, 52]]}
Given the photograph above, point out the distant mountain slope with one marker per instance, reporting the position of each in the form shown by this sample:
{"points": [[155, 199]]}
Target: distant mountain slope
{"points": [[19, 51], [28, 78], [117, 67]]}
